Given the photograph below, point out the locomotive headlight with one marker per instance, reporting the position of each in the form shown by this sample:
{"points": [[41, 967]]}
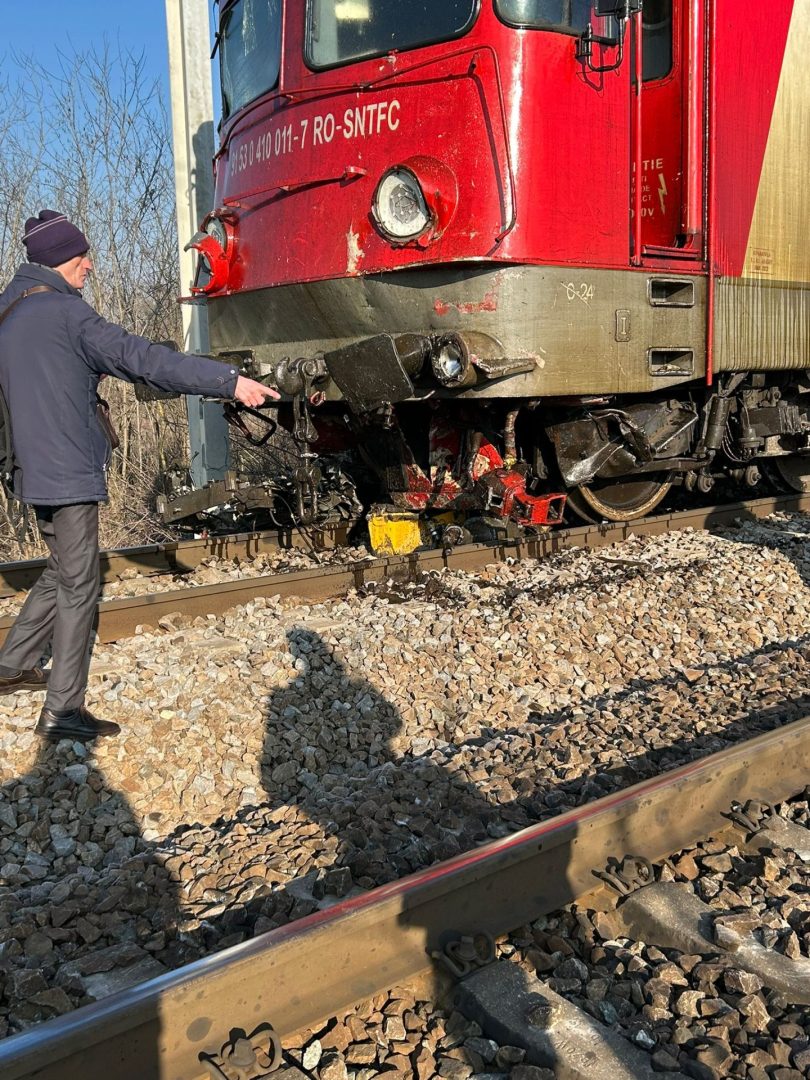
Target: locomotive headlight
{"points": [[448, 364], [399, 205], [452, 362]]}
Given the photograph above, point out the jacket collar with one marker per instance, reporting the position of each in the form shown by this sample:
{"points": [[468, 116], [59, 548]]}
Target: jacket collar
{"points": [[29, 274]]}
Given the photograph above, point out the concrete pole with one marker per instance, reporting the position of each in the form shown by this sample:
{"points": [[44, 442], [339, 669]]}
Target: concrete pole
{"points": [[193, 141]]}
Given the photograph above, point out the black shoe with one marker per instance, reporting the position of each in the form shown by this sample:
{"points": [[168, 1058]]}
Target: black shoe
{"points": [[27, 679], [73, 724]]}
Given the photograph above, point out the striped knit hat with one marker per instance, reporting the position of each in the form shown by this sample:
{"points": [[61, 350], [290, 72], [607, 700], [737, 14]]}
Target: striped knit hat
{"points": [[51, 239]]}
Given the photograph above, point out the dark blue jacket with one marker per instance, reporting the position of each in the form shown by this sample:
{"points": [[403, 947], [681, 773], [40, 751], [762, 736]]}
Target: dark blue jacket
{"points": [[53, 348]]}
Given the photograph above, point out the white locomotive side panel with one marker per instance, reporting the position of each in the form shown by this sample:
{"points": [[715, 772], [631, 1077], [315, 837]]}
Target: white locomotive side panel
{"points": [[779, 241]]}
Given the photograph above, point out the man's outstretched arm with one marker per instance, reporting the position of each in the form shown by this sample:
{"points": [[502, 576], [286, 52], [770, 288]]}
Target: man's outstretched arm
{"points": [[110, 350]]}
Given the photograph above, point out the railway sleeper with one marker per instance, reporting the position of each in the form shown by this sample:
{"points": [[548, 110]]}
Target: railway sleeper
{"points": [[518, 1009], [764, 828], [669, 915]]}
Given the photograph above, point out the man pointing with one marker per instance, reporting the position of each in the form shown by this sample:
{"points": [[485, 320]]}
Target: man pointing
{"points": [[53, 350]]}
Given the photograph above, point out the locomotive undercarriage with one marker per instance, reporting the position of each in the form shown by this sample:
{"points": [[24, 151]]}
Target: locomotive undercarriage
{"points": [[619, 458], [613, 458], [493, 468]]}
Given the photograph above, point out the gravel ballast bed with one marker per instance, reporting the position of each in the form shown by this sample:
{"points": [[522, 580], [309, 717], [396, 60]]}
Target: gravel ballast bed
{"points": [[287, 752]]}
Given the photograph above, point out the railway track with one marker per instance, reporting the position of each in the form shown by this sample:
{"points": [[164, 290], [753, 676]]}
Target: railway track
{"points": [[120, 618], [179, 556], [227, 1016], [430, 908]]}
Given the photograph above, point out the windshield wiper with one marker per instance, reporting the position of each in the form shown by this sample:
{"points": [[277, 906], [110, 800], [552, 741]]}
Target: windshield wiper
{"points": [[224, 8]]}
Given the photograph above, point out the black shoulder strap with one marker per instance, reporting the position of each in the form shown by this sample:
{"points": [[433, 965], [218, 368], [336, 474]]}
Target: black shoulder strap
{"points": [[22, 296]]}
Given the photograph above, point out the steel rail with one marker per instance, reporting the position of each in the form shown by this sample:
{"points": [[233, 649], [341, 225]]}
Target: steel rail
{"points": [[301, 974], [179, 556], [120, 618]]}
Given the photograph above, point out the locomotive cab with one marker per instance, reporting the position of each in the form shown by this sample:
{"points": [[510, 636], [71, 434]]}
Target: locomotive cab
{"points": [[504, 252]]}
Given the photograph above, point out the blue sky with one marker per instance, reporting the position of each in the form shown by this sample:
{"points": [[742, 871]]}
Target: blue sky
{"points": [[41, 27]]}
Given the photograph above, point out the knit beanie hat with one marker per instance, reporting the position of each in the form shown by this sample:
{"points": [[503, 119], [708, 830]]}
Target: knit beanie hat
{"points": [[51, 239]]}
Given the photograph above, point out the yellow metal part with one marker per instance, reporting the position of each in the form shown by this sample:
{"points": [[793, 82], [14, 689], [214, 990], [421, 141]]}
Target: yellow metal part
{"points": [[394, 532]]}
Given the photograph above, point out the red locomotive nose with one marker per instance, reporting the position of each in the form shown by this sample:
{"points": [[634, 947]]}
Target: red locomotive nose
{"points": [[571, 232]]}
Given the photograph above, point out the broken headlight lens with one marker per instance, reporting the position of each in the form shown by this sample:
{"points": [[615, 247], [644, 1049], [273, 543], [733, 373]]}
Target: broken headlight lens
{"points": [[399, 206]]}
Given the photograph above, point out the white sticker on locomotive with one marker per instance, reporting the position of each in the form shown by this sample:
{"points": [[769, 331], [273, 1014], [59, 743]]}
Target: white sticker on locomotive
{"points": [[356, 122]]}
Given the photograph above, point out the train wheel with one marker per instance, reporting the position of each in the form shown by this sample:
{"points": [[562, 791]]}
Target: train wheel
{"points": [[794, 472], [619, 500]]}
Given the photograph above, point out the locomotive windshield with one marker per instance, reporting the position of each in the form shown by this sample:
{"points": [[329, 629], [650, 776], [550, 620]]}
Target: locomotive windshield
{"points": [[249, 51], [571, 15], [342, 30]]}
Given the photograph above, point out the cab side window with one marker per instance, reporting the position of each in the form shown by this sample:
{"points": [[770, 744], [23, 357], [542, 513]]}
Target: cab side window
{"points": [[567, 15], [656, 20]]}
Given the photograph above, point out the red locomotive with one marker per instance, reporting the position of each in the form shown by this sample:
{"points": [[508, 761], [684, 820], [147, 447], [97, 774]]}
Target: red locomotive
{"points": [[501, 252]]}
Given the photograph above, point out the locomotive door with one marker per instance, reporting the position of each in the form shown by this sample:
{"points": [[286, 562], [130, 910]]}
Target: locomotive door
{"points": [[668, 154]]}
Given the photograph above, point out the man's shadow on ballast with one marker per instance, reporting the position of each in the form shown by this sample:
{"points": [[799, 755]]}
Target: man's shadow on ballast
{"points": [[384, 813]]}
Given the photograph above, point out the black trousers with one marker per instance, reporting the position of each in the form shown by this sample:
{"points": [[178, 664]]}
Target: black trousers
{"points": [[61, 607]]}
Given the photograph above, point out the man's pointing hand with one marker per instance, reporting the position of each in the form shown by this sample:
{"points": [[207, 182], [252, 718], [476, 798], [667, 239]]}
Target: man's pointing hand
{"points": [[252, 393]]}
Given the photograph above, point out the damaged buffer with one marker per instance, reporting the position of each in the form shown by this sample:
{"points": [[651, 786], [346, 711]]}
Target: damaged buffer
{"points": [[466, 475]]}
